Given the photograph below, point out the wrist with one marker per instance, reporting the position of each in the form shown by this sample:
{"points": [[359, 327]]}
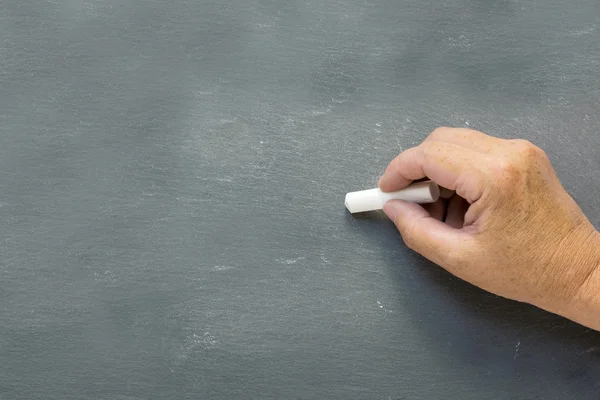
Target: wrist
{"points": [[584, 307]]}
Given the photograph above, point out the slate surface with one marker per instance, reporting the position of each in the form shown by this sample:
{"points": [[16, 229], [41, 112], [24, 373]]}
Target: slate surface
{"points": [[172, 177]]}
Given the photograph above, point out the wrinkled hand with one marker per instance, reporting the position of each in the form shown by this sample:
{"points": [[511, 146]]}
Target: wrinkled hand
{"points": [[511, 228]]}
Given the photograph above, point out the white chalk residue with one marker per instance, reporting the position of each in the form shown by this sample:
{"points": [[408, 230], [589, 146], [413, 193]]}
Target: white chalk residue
{"points": [[194, 343], [105, 277], [517, 350], [582, 32], [222, 267], [462, 42], [381, 307], [591, 349], [315, 113], [290, 260]]}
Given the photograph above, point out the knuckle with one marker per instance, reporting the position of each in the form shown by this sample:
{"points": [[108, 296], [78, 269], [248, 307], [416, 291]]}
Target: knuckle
{"points": [[509, 167], [439, 133], [523, 157], [430, 148], [507, 173], [409, 242], [445, 133], [408, 233], [527, 151], [440, 130]]}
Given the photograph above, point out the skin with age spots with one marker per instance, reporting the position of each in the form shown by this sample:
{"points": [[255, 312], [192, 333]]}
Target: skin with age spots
{"points": [[511, 229]]}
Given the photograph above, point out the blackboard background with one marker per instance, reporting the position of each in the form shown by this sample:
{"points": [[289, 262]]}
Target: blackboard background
{"points": [[172, 177]]}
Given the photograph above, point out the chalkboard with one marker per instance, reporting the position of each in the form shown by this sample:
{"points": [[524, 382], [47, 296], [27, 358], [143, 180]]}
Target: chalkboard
{"points": [[172, 176]]}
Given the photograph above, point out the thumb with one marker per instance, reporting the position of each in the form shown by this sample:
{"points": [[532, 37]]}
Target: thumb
{"points": [[433, 239]]}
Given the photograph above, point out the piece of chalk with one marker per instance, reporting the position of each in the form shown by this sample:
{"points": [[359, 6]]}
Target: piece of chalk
{"points": [[375, 199], [446, 193]]}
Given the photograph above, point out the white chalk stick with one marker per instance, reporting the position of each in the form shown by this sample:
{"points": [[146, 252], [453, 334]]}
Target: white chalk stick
{"points": [[375, 199], [446, 193]]}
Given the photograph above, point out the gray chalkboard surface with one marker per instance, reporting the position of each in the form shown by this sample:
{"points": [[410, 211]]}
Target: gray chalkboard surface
{"points": [[172, 176]]}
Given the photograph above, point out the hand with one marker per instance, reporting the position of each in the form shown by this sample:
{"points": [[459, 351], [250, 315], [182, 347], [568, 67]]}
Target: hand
{"points": [[511, 228]]}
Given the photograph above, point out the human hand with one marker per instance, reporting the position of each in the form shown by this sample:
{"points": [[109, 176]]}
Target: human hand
{"points": [[511, 228]]}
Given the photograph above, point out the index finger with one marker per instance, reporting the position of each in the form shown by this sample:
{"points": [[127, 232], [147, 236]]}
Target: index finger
{"points": [[449, 165], [467, 138]]}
